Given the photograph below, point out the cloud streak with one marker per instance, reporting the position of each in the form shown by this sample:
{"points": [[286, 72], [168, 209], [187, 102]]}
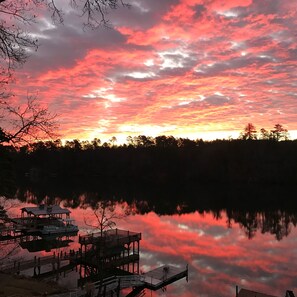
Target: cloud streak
{"points": [[191, 65]]}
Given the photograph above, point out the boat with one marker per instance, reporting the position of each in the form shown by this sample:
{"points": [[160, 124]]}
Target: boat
{"points": [[45, 220], [61, 226]]}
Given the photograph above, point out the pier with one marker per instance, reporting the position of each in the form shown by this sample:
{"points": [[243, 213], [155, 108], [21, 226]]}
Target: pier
{"points": [[106, 261], [115, 249], [153, 280], [163, 276], [55, 260]]}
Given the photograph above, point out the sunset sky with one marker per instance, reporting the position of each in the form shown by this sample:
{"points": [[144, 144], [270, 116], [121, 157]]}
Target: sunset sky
{"points": [[187, 68]]}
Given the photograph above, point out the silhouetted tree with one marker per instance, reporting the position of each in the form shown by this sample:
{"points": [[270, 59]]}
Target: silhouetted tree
{"points": [[25, 123], [279, 133], [3, 136], [165, 141], [143, 141], [96, 143], [185, 142], [105, 214], [74, 144], [13, 39], [131, 141], [250, 132], [265, 135], [113, 141]]}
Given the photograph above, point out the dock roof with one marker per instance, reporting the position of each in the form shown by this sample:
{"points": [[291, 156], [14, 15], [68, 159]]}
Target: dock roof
{"points": [[45, 210]]}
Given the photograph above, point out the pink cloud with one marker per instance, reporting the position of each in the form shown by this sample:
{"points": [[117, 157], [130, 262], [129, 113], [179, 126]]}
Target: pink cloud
{"points": [[196, 67]]}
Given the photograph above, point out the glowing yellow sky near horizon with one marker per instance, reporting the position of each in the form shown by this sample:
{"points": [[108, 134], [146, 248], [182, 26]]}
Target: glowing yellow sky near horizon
{"points": [[206, 136]]}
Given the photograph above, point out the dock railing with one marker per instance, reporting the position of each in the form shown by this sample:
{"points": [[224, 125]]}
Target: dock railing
{"points": [[110, 237]]}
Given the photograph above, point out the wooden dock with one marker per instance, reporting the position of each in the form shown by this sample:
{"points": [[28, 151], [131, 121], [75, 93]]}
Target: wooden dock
{"points": [[99, 255], [113, 249], [55, 260], [163, 276], [153, 280], [110, 238]]}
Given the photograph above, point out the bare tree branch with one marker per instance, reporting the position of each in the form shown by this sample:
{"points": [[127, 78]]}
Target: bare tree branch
{"points": [[15, 16], [27, 123], [105, 214]]}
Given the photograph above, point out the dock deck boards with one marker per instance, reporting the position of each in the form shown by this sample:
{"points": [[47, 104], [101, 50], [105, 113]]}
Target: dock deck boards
{"points": [[164, 275]]}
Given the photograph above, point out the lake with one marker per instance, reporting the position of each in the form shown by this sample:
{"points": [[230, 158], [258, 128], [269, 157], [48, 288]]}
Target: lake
{"points": [[255, 250]]}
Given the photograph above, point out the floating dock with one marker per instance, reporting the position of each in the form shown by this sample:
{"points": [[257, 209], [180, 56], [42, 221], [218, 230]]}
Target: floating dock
{"points": [[153, 280], [163, 276]]}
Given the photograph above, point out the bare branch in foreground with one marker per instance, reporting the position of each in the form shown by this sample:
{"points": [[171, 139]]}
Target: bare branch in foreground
{"points": [[25, 124]]}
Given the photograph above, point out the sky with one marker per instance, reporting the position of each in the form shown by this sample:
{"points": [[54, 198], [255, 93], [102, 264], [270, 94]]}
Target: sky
{"points": [[187, 68]]}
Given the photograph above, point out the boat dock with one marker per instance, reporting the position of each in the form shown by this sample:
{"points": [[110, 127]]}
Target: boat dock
{"points": [[44, 220], [55, 260], [114, 249], [163, 276], [110, 256], [153, 280]]}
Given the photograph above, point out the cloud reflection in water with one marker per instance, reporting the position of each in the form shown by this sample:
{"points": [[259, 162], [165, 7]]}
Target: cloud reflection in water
{"points": [[219, 257]]}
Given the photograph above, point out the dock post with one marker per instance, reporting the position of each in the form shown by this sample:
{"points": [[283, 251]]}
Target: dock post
{"points": [[58, 263], [35, 264], [53, 262], [38, 265], [104, 290], [119, 288], [19, 268]]}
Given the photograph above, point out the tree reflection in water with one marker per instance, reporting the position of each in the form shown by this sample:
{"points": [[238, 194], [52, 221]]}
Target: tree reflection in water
{"points": [[211, 234], [265, 212]]}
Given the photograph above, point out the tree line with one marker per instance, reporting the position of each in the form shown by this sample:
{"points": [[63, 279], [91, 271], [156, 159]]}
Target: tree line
{"points": [[161, 160]]}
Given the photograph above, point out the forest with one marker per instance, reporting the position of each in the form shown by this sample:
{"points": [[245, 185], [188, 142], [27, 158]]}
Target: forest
{"points": [[161, 160]]}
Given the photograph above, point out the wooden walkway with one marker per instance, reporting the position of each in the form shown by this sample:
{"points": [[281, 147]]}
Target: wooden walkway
{"points": [[37, 263], [163, 276], [153, 280]]}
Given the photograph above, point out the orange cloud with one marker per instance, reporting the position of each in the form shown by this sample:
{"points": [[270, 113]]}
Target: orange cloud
{"points": [[188, 68]]}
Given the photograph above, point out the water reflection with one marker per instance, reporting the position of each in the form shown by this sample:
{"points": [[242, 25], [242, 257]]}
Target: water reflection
{"points": [[252, 249], [219, 257], [254, 209]]}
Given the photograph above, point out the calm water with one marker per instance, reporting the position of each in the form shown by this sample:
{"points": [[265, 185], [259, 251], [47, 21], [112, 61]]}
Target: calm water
{"points": [[217, 249]]}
